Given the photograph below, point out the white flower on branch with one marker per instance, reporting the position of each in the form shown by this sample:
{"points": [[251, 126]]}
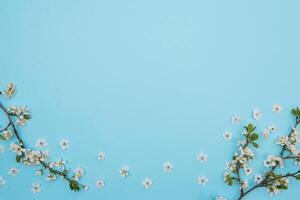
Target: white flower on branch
{"points": [[36, 188], [2, 181], [258, 178], [248, 171], [7, 134], [272, 160], [64, 144], [78, 173], [168, 166], [100, 184], [147, 183], [17, 148], [13, 171], [10, 90], [101, 156], [124, 171], [227, 135], [202, 180], [277, 108], [202, 157], [22, 114], [244, 184], [51, 177], [256, 114]]}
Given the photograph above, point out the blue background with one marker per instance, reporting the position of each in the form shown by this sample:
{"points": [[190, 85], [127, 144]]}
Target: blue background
{"points": [[147, 82]]}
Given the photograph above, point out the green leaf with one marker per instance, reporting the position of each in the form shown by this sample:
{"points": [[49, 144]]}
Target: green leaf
{"points": [[250, 128], [282, 187], [255, 145], [74, 185], [297, 177], [27, 116], [254, 136], [18, 158], [2, 137], [296, 111]]}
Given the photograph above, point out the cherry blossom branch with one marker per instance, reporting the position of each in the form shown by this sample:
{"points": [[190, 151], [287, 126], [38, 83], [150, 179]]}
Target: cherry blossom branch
{"points": [[272, 181], [36, 157]]}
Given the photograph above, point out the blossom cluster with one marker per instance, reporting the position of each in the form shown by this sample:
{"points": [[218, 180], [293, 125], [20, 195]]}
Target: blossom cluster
{"points": [[18, 116], [272, 179]]}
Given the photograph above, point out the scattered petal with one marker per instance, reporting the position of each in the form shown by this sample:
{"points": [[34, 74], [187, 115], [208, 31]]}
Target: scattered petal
{"points": [[202, 180], [2, 149], [202, 157], [101, 156], [235, 119], [256, 114], [227, 135], [124, 171], [277, 108], [100, 184], [64, 144], [168, 166], [36, 188], [2, 181], [13, 171], [147, 183], [41, 142]]}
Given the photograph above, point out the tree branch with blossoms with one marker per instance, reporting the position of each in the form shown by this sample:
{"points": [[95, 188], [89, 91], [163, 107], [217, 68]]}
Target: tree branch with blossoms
{"points": [[272, 179], [17, 117]]}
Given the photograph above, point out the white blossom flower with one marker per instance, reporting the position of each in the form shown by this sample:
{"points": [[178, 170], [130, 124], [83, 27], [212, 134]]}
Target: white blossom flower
{"points": [[256, 114], [258, 178], [227, 135], [272, 128], [266, 133], [147, 183], [273, 191], [41, 142], [124, 171], [36, 188], [2, 149], [13, 171], [51, 177], [7, 134], [221, 198], [64, 144], [248, 171], [2, 181], [235, 119], [283, 140], [168, 166], [202, 180], [202, 157], [78, 173], [245, 184], [272, 160], [21, 112], [60, 163], [101, 156], [10, 90], [100, 184], [39, 172], [16, 148], [277, 108]]}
